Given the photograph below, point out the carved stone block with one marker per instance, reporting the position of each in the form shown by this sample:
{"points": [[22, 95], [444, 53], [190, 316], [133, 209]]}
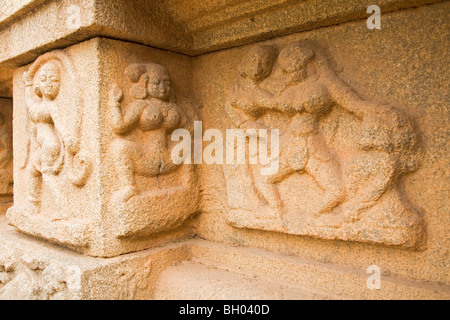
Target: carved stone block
{"points": [[93, 148], [341, 156], [35, 270]]}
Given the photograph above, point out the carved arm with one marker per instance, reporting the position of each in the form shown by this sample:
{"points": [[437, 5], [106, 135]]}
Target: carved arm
{"points": [[123, 123]]}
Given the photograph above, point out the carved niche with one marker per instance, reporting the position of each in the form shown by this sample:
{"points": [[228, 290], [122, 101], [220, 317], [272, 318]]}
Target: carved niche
{"points": [[153, 194], [341, 157], [55, 160]]}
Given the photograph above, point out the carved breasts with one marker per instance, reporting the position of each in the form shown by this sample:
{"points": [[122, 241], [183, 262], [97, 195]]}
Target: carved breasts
{"points": [[143, 119]]}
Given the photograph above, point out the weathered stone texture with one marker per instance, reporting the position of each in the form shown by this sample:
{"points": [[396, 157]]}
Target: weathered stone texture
{"points": [[31, 269], [101, 87], [194, 269], [396, 66], [82, 178], [187, 27]]}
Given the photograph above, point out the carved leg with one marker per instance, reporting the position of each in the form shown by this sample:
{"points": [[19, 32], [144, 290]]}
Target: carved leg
{"points": [[269, 191], [34, 183], [372, 174], [122, 151], [284, 171], [327, 176]]}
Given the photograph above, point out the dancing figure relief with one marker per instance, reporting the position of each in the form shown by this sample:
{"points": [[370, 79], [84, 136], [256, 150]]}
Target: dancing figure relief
{"points": [[297, 86], [54, 119]]}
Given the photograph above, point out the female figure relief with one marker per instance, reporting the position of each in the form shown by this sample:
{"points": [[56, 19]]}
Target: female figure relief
{"points": [[50, 138], [154, 116]]}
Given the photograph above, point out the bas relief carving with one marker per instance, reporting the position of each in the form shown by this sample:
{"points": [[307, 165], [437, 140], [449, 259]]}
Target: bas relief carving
{"points": [[45, 280], [153, 193], [56, 160], [54, 125], [341, 157]]}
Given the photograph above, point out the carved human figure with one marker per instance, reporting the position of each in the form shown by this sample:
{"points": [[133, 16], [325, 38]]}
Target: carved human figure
{"points": [[307, 98], [354, 149], [247, 102], [387, 138], [153, 114], [49, 135], [307, 93], [247, 99]]}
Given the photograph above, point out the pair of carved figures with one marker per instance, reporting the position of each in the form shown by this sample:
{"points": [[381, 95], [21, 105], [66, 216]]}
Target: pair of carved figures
{"points": [[297, 85], [142, 120], [55, 135]]}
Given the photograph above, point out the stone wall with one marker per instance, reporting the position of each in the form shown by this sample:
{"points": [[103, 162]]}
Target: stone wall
{"points": [[386, 72], [121, 141]]}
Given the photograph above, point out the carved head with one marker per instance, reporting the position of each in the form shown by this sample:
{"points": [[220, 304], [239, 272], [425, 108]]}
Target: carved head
{"points": [[48, 80], [258, 62], [294, 58], [159, 84]]}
